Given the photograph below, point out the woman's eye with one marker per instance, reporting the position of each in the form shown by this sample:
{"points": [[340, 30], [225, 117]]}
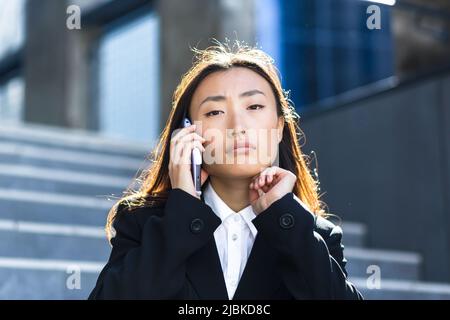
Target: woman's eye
{"points": [[213, 113], [255, 107]]}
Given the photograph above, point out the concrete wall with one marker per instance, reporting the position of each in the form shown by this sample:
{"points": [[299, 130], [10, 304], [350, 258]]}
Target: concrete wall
{"points": [[421, 31], [57, 64], [385, 161]]}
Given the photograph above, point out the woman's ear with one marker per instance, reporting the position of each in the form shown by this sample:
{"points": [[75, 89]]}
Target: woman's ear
{"points": [[280, 128]]}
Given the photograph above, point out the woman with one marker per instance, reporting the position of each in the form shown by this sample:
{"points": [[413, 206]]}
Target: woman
{"points": [[258, 230]]}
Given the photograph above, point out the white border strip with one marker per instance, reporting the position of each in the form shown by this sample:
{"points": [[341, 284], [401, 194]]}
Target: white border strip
{"points": [[400, 285], [385, 2], [383, 255], [52, 229], [71, 138], [354, 228], [76, 157], [50, 265], [55, 199], [66, 176]]}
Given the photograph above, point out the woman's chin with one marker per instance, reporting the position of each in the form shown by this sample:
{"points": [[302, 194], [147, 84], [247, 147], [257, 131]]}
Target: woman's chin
{"points": [[241, 171]]}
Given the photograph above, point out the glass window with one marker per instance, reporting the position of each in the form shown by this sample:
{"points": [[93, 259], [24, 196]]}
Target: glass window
{"points": [[11, 101], [12, 13], [128, 78], [268, 30], [324, 47]]}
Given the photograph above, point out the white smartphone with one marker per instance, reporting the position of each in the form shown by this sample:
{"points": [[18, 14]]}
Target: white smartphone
{"points": [[196, 163]]}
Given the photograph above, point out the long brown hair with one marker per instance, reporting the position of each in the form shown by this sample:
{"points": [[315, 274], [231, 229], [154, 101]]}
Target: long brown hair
{"points": [[154, 183]]}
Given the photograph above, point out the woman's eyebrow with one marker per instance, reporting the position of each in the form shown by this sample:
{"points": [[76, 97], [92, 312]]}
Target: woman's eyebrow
{"points": [[251, 93], [243, 94]]}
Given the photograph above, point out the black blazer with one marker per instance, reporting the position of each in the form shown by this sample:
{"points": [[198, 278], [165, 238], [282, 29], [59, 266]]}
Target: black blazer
{"points": [[169, 252]]}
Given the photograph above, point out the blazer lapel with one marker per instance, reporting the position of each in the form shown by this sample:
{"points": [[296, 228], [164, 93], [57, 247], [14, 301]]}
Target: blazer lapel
{"points": [[260, 278], [205, 272]]}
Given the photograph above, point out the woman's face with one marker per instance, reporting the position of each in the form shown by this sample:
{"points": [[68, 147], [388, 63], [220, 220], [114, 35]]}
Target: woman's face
{"points": [[235, 110]]}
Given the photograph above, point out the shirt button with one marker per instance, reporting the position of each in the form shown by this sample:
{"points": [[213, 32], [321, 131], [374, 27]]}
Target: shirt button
{"points": [[287, 221], [234, 237], [237, 218]]}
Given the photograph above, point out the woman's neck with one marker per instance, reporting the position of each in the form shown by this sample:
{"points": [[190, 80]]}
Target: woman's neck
{"points": [[234, 192]]}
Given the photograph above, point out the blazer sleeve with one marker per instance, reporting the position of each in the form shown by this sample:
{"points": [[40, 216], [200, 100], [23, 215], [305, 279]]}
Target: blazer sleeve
{"points": [[149, 262], [308, 257]]}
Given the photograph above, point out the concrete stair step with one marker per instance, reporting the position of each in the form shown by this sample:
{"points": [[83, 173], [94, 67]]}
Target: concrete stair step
{"points": [[31, 239], [31, 178], [403, 290], [30, 155], [54, 208], [47, 279], [354, 234], [391, 264], [27, 239], [74, 140]]}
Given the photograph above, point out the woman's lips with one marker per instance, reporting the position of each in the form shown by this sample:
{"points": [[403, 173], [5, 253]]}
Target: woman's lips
{"points": [[242, 147]]}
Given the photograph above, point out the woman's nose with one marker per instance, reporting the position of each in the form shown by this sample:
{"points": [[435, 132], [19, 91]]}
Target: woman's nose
{"points": [[236, 125], [235, 132]]}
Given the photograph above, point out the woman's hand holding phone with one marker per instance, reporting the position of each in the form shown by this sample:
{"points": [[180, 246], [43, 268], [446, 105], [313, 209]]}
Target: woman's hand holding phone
{"points": [[270, 185], [181, 146]]}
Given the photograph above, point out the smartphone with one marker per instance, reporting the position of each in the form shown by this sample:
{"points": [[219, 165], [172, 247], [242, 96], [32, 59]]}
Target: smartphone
{"points": [[196, 163]]}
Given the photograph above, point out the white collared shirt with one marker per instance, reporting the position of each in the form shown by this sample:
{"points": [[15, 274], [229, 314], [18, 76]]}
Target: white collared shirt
{"points": [[234, 238]]}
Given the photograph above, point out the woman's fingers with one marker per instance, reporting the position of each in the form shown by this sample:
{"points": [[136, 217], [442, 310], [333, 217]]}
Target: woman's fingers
{"points": [[182, 141], [175, 154], [266, 188], [203, 176], [181, 152], [189, 137], [179, 134], [269, 178], [270, 185], [255, 183], [258, 181], [187, 150], [185, 138], [262, 181], [265, 180], [182, 144], [185, 134], [183, 131]]}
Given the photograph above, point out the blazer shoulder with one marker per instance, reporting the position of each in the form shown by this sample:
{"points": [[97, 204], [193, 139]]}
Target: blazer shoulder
{"points": [[326, 228], [138, 213], [132, 217], [141, 208]]}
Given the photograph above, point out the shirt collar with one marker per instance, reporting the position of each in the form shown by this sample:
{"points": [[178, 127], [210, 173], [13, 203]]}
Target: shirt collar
{"points": [[223, 211]]}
